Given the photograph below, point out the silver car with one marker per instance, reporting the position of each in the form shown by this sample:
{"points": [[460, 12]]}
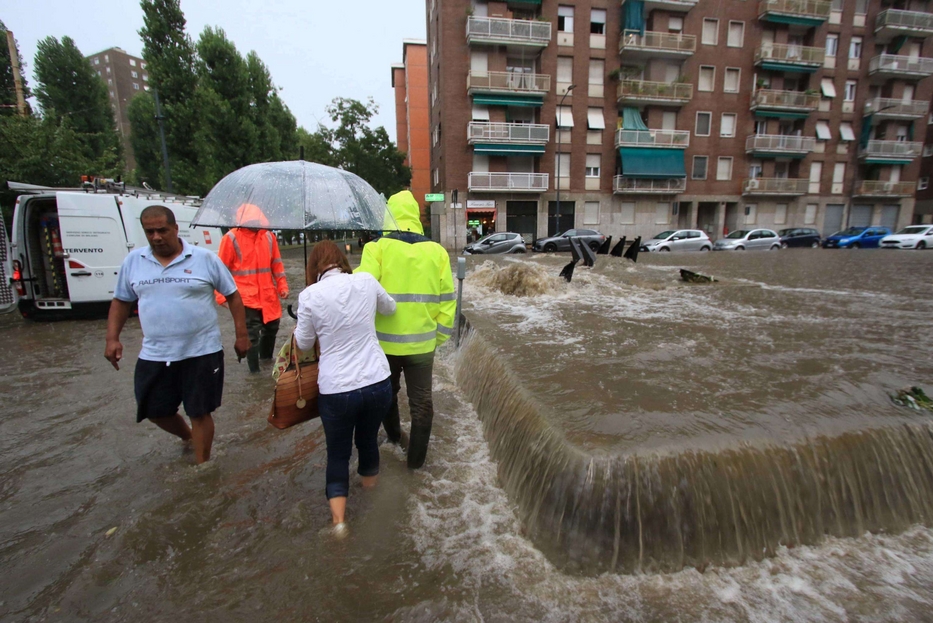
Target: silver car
{"points": [[506, 242], [678, 240], [749, 239]]}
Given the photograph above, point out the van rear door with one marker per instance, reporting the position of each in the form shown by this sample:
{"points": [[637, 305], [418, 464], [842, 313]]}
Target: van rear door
{"points": [[7, 292], [94, 243]]}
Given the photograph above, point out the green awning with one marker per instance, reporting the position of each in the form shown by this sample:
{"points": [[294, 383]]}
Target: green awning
{"points": [[781, 114], [649, 162], [778, 154], [509, 100], [535, 2], [887, 161], [793, 20], [789, 67], [494, 149]]}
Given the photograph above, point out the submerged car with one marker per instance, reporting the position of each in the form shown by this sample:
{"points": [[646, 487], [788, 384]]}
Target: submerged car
{"points": [[857, 238], [749, 239], [799, 237], [912, 237], [678, 240], [592, 238], [506, 242]]}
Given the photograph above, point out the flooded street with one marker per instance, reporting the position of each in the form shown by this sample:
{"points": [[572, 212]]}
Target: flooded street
{"points": [[783, 367]]}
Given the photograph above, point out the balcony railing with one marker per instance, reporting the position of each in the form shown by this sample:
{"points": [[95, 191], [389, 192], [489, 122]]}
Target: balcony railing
{"points": [[657, 43], [895, 21], [679, 139], [508, 82], [647, 185], [877, 188], [809, 10], [508, 182], [643, 90], [780, 53], [775, 186], [508, 31], [785, 100], [894, 150], [779, 144], [519, 133], [895, 64], [889, 108]]}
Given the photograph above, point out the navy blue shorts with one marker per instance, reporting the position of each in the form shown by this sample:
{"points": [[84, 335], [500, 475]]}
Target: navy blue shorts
{"points": [[161, 387]]}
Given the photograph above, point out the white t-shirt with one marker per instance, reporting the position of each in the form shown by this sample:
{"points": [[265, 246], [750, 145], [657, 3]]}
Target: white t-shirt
{"points": [[340, 311]]}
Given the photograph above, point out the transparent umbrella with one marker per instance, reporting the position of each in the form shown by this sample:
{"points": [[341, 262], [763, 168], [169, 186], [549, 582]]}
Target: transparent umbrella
{"points": [[297, 195]]}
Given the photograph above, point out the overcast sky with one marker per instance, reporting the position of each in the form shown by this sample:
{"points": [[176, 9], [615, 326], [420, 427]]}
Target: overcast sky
{"points": [[316, 50]]}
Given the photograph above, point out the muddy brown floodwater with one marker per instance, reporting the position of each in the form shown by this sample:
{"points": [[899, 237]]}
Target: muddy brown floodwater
{"points": [[595, 444]]}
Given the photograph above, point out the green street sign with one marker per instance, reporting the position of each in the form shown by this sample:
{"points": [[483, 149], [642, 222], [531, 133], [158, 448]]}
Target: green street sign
{"points": [[434, 197]]}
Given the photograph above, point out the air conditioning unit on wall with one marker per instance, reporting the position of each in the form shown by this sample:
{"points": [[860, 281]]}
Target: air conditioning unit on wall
{"points": [[753, 184]]}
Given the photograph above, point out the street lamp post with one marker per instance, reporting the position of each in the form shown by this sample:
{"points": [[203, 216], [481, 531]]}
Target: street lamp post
{"points": [[557, 181]]}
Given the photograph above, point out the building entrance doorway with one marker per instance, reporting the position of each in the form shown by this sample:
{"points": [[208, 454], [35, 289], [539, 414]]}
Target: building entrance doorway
{"points": [[480, 222], [521, 217], [706, 217], [562, 224]]}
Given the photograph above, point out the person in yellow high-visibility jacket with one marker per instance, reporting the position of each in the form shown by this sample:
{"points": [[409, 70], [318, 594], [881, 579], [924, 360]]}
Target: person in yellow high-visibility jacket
{"points": [[416, 273]]}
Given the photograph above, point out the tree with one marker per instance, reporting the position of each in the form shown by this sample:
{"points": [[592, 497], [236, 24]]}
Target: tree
{"points": [[146, 142], [7, 84], [67, 86]]}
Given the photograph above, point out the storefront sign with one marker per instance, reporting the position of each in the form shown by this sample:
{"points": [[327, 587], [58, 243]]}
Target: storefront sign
{"points": [[481, 203]]}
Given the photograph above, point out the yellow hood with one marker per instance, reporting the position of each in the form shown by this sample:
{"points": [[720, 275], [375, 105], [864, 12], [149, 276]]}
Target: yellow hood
{"points": [[404, 209]]}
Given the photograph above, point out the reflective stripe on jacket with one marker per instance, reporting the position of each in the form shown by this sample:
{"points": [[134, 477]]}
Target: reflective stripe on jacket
{"points": [[256, 265]]}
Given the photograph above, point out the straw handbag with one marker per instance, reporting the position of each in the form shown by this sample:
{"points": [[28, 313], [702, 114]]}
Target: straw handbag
{"points": [[296, 391]]}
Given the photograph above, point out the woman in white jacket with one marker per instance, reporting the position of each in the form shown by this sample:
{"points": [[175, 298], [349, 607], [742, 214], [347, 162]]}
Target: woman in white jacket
{"points": [[338, 309]]}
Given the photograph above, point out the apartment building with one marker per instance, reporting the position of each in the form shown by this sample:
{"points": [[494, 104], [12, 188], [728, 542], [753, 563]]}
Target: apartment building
{"points": [[658, 114], [412, 121], [125, 76]]}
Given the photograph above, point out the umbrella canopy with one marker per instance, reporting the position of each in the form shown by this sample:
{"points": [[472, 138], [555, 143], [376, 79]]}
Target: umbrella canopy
{"points": [[295, 195]]}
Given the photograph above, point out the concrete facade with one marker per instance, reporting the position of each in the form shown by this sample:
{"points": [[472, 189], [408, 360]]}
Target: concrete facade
{"points": [[412, 121], [774, 95], [117, 68]]}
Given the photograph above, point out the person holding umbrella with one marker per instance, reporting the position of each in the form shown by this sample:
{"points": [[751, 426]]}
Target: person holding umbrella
{"points": [[251, 252]]}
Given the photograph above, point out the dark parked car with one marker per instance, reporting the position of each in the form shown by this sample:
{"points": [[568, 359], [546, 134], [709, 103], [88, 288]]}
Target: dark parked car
{"points": [[506, 242], [562, 242], [800, 237], [856, 238]]}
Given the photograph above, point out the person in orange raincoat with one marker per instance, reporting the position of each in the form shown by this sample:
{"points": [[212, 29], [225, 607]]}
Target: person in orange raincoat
{"points": [[251, 252]]}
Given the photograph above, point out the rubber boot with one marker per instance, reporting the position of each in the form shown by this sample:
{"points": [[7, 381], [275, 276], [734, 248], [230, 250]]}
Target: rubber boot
{"points": [[418, 444], [252, 359], [266, 345]]}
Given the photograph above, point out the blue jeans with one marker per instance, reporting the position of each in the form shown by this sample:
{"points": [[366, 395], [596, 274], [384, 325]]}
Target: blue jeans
{"points": [[360, 409]]}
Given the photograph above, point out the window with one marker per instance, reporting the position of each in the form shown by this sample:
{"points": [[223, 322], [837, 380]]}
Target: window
{"points": [[836, 5], [675, 24], [132, 62], [780, 214], [598, 22], [595, 120], [828, 88], [145, 87], [822, 131], [565, 19], [661, 213], [923, 183], [591, 213], [111, 94], [97, 61], [110, 81], [628, 213], [839, 172], [565, 69], [106, 58], [730, 83], [134, 74], [736, 34], [927, 151], [145, 77], [99, 75], [809, 216], [143, 65], [710, 31], [135, 86], [597, 68], [724, 168], [861, 7], [707, 78], [851, 86], [727, 124], [855, 47], [901, 135], [437, 177], [832, 44], [699, 167], [564, 117], [563, 165], [592, 165], [434, 93], [436, 134], [108, 69], [480, 112], [754, 169], [846, 133], [704, 121]]}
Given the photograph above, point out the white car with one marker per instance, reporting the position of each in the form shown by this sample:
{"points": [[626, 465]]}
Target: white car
{"points": [[678, 240], [911, 237], [751, 239]]}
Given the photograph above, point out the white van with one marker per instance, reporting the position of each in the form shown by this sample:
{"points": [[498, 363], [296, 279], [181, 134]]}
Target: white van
{"points": [[67, 247]]}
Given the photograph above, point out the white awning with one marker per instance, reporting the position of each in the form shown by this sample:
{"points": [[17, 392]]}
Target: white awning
{"points": [[480, 113], [845, 132], [828, 88], [564, 117], [595, 120], [822, 131]]}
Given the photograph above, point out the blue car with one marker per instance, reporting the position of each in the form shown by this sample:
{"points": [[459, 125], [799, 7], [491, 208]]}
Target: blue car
{"points": [[857, 238]]}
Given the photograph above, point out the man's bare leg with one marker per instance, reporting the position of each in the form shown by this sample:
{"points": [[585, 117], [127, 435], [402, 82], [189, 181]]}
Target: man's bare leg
{"points": [[370, 481], [175, 425], [202, 435], [338, 509]]}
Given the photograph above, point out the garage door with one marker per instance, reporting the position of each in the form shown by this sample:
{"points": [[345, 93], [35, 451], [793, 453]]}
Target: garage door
{"points": [[889, 216], [861, 216]]}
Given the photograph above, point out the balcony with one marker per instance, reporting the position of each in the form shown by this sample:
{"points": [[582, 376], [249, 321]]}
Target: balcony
{"points": [[509, 32], [794, 12], [890, 152], [677, 139], [791, 104], [507, 82], [889, 108], [896, 66], [508, 133], [508, 182], [877, 188], [661, 93], [892, 23], [775, 186], [779, 146], [648, 186], [656, 45], [668, 5], [782, 57]]}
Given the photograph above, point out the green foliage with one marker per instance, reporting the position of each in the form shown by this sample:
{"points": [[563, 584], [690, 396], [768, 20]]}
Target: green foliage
{"points": [[144, 137], [68, 87], [7, 84]]}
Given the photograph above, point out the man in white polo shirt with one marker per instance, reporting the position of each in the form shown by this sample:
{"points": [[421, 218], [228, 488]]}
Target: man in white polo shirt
{"points": [[182, 358]]}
